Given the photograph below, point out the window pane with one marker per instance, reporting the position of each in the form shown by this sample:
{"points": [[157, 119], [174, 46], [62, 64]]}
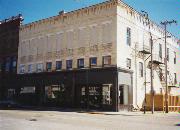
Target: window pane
{"points": [[141, 69], [30, 68], [129, 63], [69, 64], [174, 57], [80, 63], [48, 66], [39, 67], [160, 50], [22, 69], [128, 36], [106, 60], [58, 65], [93, 61]]}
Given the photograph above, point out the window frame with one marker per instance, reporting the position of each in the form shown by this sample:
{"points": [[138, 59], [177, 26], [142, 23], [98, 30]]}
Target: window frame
{"points": [[128, 36], [108, 56], [38, 70], [30, 71], [49, 68], [160, 50], [175, 78], [175, 58], [78, 63], [22, 69], [90, 61], [141, 69], [60, 65], [71, 61], [128, 63]]}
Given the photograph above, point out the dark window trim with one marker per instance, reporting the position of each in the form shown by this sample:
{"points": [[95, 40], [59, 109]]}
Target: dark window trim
{"points": [[67, 64], [56, 65], [92, 65], [78, 65], [103, 60], [48, 69]]}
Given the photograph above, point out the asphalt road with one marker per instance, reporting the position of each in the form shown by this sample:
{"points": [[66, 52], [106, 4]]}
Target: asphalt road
{"points": [[61, 120]]}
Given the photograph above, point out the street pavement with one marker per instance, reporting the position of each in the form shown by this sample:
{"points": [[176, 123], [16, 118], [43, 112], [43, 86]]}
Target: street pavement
{"points": [[79, 120]]}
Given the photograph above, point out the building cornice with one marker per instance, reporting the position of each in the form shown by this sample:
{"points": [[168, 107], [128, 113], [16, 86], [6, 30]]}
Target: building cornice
{"points": [[79, 12]]}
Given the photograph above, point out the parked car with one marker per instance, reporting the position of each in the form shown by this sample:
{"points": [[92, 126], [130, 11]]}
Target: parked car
{"points": [[6, 104]]}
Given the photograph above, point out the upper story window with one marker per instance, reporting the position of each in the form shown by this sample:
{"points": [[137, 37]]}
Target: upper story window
{"points": [[22, 69], [93, 61], [128, 63], [49, 66], [175, 78], [80, 63], [58, 65], [30, 68], [68, 64], [174, 57], [128, 36], [140, 69], [106, 60], [39, 67], [160, 51], [167, 54]]}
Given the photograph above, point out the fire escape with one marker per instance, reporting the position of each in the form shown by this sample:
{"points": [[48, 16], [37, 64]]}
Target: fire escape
{"points": [[158, 66]]}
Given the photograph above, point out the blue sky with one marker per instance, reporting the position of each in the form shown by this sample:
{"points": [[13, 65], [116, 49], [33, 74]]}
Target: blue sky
{"points": [[33, 10]]}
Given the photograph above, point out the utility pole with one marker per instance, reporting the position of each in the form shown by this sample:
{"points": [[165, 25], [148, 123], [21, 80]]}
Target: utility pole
{"points": [[145, 14], [165, 23]]}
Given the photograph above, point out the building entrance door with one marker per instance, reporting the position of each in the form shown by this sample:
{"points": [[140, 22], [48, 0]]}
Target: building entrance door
{"points": [[123, 94]]}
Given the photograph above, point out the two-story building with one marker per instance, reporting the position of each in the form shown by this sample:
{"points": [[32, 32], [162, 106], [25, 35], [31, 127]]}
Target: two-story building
{"points": [[94, 57]]}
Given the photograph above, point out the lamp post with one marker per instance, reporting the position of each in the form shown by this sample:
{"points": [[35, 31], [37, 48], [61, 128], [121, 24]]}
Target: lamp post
{"points": [[165, 23]]}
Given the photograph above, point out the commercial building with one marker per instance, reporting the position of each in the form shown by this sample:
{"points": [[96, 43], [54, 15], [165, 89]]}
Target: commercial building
{"points": [[94, 57], [9, 40]]}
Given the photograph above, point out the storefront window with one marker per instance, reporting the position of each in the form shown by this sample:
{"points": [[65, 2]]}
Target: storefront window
{"points": [[55, 95], [106, 93]]}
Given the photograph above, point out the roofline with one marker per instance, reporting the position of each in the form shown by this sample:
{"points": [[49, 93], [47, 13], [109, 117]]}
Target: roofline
{"points": [[73, 11], [120, 1], [98, 4]]}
